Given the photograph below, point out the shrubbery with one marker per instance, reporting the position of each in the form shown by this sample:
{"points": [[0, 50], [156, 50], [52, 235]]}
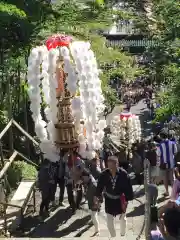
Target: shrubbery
{"points": [[20, 170]]}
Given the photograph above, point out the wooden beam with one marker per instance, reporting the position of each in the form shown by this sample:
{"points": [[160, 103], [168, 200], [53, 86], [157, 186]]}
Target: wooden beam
{"points": [[9, 205], [5, 150], [27, 160], [25, 133], [8, 164], [6, 128], [9, 94]]}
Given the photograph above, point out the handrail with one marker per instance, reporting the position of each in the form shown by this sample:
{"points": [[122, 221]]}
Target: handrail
{"points": [[10, 161], [20, 129], [7, 165], [10, 205], [5, 150], [6, 128], [15, 153], [24, 132], [26, 159]]}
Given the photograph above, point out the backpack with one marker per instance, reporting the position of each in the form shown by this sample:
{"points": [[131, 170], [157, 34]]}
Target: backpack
{"points": [[152, 157]]}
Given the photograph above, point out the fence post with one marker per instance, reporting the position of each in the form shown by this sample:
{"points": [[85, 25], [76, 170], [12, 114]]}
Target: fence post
{"points": [[10, 114], [147, 200]]}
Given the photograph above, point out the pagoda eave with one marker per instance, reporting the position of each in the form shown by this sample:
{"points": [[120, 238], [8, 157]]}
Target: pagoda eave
{"points": [[67, 145], [64, 125]]}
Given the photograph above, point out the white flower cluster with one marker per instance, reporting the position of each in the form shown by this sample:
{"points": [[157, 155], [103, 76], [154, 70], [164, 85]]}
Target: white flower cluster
{"points": [[51, 110], [90, 103], [126, 129], [69, 68], [136, 125], [133, 129], [41, 66], [34, 77], [116, 129], [83, 75]]}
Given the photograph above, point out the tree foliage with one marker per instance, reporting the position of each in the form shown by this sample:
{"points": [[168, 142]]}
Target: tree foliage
{"points": [[27, 23], [165, 63]]}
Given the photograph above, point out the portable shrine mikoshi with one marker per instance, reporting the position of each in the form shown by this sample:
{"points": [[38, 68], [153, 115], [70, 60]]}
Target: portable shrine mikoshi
{"points": [[125, 129], [63, 74]]}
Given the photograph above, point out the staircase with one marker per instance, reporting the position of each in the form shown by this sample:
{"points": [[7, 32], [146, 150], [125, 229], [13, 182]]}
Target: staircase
{"points": [[62, 224]]}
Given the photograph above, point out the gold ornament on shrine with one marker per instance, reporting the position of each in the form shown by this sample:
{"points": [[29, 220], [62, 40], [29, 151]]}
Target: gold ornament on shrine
{"points": [[66, 134]]}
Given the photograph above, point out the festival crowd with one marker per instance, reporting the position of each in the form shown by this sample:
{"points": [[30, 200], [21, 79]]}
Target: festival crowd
{"points": [[106, 178], [163, 155], [90, 179], [100, 180]]}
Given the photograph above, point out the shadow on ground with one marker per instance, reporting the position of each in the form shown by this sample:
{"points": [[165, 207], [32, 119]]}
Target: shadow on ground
{"points": [[138, 211], [34, 228], [77, 224], [52, 227], [161, 199], [140, 193]]}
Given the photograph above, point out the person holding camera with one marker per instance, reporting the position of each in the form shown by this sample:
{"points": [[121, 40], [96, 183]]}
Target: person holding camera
{"points": [[168, 223]]}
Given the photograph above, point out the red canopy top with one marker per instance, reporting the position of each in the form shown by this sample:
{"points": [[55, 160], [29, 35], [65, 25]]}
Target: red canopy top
{"points": [[58, 40], [126, 115]]}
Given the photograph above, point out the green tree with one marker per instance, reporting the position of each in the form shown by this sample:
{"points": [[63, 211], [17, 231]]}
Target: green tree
{"points": [[165, 57], [30, 22]]}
